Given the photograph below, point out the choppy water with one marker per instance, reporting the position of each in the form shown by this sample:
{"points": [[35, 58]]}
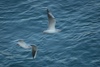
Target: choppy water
{"points": [[77, 45]]}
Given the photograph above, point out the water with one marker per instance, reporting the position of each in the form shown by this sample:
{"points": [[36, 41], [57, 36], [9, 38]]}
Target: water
{"points": [[77, 45]]}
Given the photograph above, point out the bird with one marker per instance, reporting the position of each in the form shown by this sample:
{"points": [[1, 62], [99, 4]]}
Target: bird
{"points": [[51, 24], [23, 44]]}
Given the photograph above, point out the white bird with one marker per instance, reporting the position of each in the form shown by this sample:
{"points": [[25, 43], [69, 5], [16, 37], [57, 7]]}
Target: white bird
{"points": [[52, 23], [24, 45]]}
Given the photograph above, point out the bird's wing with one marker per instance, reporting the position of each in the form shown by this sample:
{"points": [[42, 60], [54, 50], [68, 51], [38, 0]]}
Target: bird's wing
{"points": [[51, 20], [23, 44], [34, 51]]}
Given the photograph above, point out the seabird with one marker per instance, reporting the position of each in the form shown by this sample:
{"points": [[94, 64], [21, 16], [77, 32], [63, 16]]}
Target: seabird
{"points": [[51, 24], [24, 45]]}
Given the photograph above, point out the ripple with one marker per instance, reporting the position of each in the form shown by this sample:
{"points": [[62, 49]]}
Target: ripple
{"points": [[76, 45]]}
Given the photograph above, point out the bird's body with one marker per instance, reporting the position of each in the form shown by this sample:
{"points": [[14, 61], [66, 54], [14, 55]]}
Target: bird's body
{"points": [[51, 24], [26, 46], [52, 31]]}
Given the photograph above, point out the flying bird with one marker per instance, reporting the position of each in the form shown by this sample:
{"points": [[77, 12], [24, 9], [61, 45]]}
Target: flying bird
{"points": [[51, 24], [26, 46]]}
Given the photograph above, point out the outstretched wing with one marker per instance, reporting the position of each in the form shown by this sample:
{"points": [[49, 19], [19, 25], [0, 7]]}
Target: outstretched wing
{"points": [[51, 20], [23, 44], [34, 51]]}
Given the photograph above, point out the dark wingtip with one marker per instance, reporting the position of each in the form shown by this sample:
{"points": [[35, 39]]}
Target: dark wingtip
{"points": [[48, 10], [20, 40], [34, 51]]}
